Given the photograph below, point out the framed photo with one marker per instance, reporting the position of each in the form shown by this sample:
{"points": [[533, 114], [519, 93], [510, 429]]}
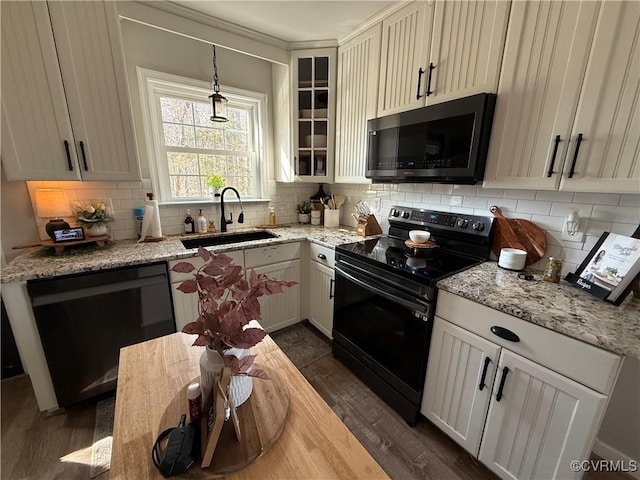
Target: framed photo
{"points": [[611, 268]]}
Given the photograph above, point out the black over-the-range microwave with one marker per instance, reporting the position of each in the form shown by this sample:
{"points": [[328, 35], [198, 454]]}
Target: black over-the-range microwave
{"points": [[442, 143]]}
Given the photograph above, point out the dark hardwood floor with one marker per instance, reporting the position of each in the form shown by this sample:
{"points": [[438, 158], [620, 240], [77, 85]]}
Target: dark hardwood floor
{"points": [[37, 446]]}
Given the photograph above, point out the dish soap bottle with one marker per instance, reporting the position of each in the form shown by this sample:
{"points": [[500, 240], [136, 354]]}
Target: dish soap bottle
{"points": [[272, 216], [189, 223], [201, 223]]}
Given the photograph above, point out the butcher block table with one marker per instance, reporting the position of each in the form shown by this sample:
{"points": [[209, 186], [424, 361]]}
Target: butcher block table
{"points": [[314, 444]]}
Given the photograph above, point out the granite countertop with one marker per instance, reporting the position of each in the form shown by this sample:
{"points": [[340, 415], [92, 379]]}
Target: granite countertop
{"points": [[40, 262], [557, 306]]}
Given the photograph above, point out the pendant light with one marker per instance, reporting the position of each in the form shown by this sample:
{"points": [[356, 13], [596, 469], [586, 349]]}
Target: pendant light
{"points": [[218, 102]]}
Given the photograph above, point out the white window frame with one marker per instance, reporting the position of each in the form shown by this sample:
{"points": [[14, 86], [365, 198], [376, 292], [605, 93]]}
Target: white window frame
{"points": [[153, 84]]}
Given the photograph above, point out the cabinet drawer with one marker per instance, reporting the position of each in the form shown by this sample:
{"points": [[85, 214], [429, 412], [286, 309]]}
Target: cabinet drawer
{"points": [[236, 255], [256, 257], [321, 254], [580, 361]]}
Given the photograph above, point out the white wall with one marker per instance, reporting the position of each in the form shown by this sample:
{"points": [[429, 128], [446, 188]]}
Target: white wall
{"points": [[166, 52]]}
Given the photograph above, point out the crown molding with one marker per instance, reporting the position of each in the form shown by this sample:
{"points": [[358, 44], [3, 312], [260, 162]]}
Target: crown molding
{"points": [[215, 22], [313, 44], [371, 21]]}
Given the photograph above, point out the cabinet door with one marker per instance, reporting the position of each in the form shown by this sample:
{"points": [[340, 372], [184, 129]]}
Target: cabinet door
{"points": [[358, 67], [321, 284], [458, 386], [185, 306], [542, 421], [282, 309], [467, 48], [545, 57], [35, 119], [314, 74], [406, 41], [87, 36], [608, 116]]}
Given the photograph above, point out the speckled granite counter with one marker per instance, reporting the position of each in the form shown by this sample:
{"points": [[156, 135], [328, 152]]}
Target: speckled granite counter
{"points": [[42, 263], [559, 307]]}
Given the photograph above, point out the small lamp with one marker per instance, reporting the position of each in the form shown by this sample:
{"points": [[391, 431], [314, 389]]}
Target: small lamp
{"points": [[51, 203], [218, 102], [572, 223]]}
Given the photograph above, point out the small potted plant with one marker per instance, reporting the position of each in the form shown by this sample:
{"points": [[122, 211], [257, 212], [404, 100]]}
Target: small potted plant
{"points": [[304, 212], [217, 183], [93, 216], [227, 302]]}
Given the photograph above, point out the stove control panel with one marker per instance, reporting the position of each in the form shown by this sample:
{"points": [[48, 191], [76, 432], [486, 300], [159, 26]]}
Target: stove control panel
{"points": [[407, 217]]}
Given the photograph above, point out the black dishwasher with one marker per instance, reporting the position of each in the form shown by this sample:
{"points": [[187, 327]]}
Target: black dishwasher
{"points": [[85, 319]]}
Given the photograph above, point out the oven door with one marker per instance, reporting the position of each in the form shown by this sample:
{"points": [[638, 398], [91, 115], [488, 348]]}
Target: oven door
{"points": [[386, 329]]}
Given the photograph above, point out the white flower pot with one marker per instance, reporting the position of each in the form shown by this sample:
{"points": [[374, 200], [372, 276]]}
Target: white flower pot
{"points": [[304, 217], [211, 365], [97, 230]]}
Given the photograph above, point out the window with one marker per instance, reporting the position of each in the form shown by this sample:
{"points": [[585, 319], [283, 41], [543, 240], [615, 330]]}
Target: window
{"points": [[188, 146]]}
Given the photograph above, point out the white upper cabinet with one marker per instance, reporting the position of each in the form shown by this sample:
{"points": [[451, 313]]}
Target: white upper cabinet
{"points": [[406, 35], [566, 115], [433, 52], [357, 89], [466, 49], [69, 78], [314, 104], [608, 115]]}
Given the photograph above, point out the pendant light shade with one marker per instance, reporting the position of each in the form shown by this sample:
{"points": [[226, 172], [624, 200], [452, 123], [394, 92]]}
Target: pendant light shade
{"points": [[218, 102]]}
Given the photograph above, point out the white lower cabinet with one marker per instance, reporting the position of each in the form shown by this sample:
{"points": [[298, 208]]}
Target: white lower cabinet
{"points": [[497, 400], [282, 309], [185, 305], [538, 421], [321, 284]]}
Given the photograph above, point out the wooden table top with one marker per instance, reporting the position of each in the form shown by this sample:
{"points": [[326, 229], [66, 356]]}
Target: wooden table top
{"points": [[315, 444]]}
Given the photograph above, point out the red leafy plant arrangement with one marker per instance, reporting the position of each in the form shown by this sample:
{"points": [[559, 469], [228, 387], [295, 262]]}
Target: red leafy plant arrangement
{"points": [[227, 302]]}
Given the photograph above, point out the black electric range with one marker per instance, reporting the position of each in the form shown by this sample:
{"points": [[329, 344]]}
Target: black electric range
{"points": [[385, 298]]}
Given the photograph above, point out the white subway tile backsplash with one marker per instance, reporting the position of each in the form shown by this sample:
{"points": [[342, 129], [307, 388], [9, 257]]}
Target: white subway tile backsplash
{"points": [[616, 214], [596, 227], [465, 190], [598, 198], [442, 189], [559, 209], [630, 200], [429, 198], [489, 192], [533, 207], [474, 202], [413, 197], [548, 196], [520, 194], [505, 204], [624, 228], [548, 223]]}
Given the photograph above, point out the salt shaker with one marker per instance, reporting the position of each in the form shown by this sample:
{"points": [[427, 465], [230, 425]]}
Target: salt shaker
{"points": [[553, 270]]}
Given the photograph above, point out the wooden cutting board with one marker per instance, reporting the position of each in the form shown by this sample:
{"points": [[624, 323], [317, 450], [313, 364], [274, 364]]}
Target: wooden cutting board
{"points": [[518, 233]]}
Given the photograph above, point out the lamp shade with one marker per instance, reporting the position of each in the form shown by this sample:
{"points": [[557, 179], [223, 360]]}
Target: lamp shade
{"points": [[51, 203]]}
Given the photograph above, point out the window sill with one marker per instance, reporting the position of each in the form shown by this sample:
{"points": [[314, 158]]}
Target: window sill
{"points": [[228, 199]]}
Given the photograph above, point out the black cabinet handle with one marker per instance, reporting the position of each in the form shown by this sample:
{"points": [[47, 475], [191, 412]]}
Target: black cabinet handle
{"points": [[505, 333], [575, 156], [332, 283], [420, 72], [66, 147], [431, 67], [505, 372], [487, 361], [322, 256], [556, 142], [84, 157]]}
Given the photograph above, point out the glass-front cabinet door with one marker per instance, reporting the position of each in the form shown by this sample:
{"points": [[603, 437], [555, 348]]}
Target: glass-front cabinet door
{"points": [[314, 73]]}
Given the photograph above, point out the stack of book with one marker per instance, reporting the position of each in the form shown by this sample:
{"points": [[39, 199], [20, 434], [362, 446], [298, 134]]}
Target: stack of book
{"points": [[611, 269]]}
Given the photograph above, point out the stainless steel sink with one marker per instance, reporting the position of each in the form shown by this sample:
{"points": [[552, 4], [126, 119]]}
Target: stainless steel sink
{"points": [[226, 239]]}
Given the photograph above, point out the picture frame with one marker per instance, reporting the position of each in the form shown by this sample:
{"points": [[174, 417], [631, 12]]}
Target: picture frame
{"points": [[611, 269]]}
